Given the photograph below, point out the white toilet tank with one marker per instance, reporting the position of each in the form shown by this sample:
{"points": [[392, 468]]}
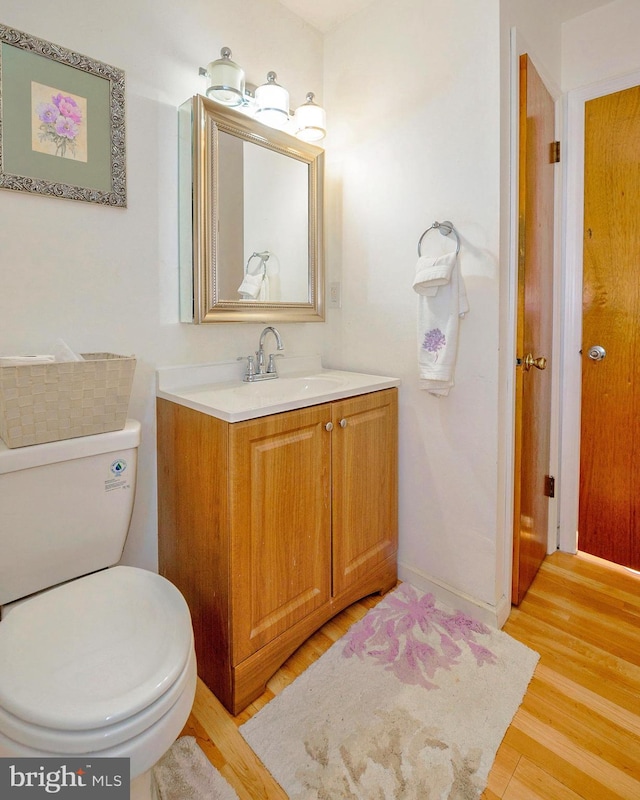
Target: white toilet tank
{"points": [[65, 508]]}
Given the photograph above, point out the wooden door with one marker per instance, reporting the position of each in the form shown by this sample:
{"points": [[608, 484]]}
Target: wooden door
{"points": [[609, 518], [534, 330], [365, 485], [280, 497]]}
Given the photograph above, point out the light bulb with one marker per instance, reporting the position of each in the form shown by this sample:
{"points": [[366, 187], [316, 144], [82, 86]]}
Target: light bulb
{"points": [[226, 80], [310, 121], [272, 101]]}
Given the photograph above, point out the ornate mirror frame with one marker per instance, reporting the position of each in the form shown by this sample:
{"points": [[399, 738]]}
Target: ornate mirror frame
{"points": [[200, 121]]}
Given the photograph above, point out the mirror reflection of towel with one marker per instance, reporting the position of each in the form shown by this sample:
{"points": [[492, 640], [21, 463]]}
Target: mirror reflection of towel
{"points": [[442, 302], [254, 287]]}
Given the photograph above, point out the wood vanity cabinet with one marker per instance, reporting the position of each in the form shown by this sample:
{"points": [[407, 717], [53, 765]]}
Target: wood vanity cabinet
{"points": [[269, 527]]}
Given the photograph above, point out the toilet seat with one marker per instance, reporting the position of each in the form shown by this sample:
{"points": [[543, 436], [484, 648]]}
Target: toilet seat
{"points": [[92, 663]]}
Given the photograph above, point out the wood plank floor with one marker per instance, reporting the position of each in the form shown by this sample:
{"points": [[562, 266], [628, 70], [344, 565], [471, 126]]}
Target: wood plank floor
{"points": [[576, 735]]}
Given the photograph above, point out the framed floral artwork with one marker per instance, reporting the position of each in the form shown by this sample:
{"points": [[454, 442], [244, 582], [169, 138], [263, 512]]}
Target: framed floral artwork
{"points": [[62, 122]]}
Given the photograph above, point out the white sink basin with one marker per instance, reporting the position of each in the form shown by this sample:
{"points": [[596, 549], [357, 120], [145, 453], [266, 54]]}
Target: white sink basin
{"points": [[306, 384], [235, 400]]}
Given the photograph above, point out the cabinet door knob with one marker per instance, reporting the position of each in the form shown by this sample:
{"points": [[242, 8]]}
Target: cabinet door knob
{"points": [[328, 426], [343, 423]]}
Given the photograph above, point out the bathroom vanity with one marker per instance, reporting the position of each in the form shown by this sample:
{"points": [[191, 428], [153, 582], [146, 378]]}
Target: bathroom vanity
{"points": [[277, 509]]}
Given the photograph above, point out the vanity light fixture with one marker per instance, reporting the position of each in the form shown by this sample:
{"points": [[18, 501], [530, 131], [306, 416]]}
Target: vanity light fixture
{"points": [[226, 80], [272, 103], [310, 121], [268, 103]]}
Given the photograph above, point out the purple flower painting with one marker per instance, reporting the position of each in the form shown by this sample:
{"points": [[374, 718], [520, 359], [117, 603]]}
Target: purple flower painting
{"points": [[434, 341], [59, 123]]}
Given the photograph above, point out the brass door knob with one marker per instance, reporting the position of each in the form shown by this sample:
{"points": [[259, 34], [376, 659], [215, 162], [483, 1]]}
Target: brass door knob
{"points": [[529, 361]]}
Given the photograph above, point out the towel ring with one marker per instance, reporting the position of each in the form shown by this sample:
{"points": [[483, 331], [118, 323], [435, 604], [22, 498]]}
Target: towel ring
{"points": [[264, 257], [446, 229]]}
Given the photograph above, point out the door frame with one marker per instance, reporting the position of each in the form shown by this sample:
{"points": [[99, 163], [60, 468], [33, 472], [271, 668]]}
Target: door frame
{"points": [[572, 271]]}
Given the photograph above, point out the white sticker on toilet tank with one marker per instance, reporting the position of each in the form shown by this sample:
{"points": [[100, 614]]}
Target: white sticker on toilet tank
{"points": [[117, 469]]}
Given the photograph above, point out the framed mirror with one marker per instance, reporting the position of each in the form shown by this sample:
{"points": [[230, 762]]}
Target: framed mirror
{"points": [[250, 219]]}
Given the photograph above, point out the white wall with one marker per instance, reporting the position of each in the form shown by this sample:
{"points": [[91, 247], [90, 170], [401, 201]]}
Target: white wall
{"points": [[601, 44], [539, 26], [413, 98], [415, 93], [107, 279]]}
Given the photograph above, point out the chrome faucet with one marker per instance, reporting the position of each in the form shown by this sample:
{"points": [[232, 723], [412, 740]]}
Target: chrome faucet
{"points": [[258, 371], [271, 367]]}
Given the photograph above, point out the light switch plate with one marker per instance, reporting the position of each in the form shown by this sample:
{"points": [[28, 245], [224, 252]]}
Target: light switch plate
{"points": [[335, 298]]}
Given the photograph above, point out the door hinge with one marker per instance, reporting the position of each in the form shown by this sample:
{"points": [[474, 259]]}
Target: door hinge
{"points": [[549, 486], [555, 152]]}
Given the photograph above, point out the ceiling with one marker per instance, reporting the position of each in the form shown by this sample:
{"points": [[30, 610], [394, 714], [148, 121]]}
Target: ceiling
{"points": [[325, 14], [328, 14], [568, 9]]}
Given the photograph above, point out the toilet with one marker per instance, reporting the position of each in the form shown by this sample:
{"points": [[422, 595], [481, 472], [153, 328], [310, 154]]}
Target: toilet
{"points": [[96, 660]]}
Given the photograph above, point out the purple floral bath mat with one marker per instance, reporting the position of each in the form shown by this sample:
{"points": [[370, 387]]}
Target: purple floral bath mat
{"points": [[411, 704]]}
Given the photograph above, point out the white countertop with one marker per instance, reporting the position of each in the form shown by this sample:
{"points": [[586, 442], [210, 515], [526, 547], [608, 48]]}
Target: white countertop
{"points": [[218, 389]]}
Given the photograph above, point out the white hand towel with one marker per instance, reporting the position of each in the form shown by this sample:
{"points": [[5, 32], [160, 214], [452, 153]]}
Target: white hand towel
{"points": [[254, 287], [432, 273], [265, 293], [439, 316]]}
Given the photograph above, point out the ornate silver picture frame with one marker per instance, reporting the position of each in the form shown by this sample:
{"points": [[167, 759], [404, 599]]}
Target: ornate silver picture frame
{"points": [[62, 122]]}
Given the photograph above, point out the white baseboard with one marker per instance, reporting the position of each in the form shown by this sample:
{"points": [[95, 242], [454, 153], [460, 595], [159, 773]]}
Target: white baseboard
{"points": [[494, 616]]}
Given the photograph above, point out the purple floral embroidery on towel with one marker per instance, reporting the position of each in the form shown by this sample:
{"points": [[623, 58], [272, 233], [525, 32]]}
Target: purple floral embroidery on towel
{"points": [[434, 340], [411, 637]]}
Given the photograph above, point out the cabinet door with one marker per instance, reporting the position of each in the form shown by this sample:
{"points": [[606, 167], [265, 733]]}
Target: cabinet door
{"points": [[281, 524], [365, 485]]}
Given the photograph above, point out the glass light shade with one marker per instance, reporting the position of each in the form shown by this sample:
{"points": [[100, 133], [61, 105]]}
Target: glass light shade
{"points": [[226, 80], [272, 101], [310, 121]]}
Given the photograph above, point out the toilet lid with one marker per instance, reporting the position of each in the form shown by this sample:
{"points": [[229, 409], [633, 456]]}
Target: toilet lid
{"points": [[93, 651]]}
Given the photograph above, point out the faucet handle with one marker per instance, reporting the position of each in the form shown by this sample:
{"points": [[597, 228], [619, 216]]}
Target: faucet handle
{"points": [[271, 366], [251, 370]]}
